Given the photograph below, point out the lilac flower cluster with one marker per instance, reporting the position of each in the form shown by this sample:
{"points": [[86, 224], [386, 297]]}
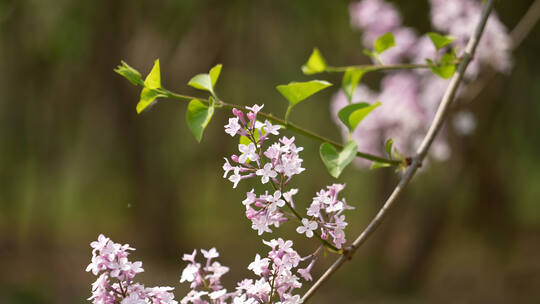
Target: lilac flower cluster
{"points": [[115, 273], [282, 159], [276, 278], [410, 98], [277, 165], [326, 212]]}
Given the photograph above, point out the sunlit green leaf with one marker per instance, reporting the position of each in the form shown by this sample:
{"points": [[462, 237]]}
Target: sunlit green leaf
{"points": [[336, 161], [201, 82], [369, 53], [388, 147], [383, 43], [295, 92], [440, 41], [150, 92], [377, 165], [153, 80], [148, 99], [206, 82], [446, 67], [198, 116], [351, 78], [129, 73], [315, 64], [214, 74], [353, 114]]}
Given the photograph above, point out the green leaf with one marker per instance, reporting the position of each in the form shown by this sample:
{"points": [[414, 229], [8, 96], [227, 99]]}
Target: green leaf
{"points": [[198, 116], [383, 43], [298, 91], [369, 53], [351, 78], [440, 41], [388, 147], [201, 82], [446, 67], [353, 114], [206, 82], [315, 64], [148, 99], [377, 165], [129, 73], [150, 92], [153, 80], [295, 92], [335, 162], [214, 74]]}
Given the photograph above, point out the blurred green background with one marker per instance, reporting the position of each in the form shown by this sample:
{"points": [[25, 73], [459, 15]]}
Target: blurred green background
{"points": [[76, 160]]}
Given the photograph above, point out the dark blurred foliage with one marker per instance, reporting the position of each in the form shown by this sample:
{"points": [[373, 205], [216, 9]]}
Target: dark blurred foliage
{"points": [[76, 160]]}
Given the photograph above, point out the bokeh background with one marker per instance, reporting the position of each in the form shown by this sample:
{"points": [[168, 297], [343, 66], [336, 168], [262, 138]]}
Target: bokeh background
{"points": [[76, 160]]}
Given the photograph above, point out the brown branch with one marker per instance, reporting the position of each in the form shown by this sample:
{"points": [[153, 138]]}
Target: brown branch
{"points": [[436, 125]]}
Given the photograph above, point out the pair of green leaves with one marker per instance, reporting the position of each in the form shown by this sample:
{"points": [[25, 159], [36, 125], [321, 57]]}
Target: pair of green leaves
{"points": [[198, 114], [317, 64], [351, 115], [446, 66], [388, 145], [380, 45], [206, 81], [151, 85]]}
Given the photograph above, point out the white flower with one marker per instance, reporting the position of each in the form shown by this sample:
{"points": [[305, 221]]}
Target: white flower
{"points": [[274, 200], [258, 266], [190, 272], [236, 177], [233, 127], [266, 172], [270, 128], [255, 108], [307, 228], [210, 254], [248, 152], [217, 294]]}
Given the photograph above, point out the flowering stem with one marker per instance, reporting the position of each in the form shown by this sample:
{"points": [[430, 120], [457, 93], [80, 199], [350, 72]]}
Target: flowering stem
{"points": [[272, 287], [325, 242], [299, 217], [286, 124], [436, 125]]}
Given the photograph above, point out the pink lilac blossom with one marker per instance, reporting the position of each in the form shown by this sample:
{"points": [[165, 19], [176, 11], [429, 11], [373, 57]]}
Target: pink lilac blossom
{"points": [[277, 165], [276, 278], [115, 277], [410, 98], [326, 212]]}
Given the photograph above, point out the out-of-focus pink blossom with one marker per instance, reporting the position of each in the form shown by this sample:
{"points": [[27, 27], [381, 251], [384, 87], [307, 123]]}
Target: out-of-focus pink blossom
{"points": [[410, 98]]}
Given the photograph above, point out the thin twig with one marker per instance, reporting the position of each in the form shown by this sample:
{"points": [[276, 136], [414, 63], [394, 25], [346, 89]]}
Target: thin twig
{"points": [[526, 24], [517, 35], [289, 125], [373, 68], [440, 116]]}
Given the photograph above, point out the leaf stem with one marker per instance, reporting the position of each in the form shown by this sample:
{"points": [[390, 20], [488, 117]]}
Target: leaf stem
{"points": [[373, 68], [289, 125]]}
